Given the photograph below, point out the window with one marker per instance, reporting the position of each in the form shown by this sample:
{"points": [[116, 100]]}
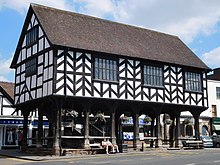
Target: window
{"points": [[105, 69], [193, 82], [32, 35], [153, 75], [217, 92], [31, 67]]}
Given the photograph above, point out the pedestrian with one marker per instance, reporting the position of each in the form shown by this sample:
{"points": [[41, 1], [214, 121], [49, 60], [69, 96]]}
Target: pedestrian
{"points": [[19, 139]]}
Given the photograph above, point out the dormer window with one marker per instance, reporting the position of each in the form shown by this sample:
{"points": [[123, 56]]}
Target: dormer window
{"points": [[32, 35]]}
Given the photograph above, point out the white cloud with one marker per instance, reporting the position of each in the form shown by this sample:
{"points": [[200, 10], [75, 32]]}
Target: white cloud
{"points": [[212, 57], [22, 5], [99, 8], [184, 18], [5, 71]]}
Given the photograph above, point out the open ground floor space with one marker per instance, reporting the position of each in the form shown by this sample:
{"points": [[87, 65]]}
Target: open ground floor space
{"points": [[84, 123]]}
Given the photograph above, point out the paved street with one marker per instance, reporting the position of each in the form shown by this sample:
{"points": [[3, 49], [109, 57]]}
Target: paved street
{"points": [[174, 157]]}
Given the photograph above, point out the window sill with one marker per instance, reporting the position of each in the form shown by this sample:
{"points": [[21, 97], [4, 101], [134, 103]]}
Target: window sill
{"points": [[105, 81], [196, 92], [152, 86]]}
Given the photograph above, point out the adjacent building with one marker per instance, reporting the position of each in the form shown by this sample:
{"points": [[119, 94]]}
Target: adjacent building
{"points": [[84, 73]]}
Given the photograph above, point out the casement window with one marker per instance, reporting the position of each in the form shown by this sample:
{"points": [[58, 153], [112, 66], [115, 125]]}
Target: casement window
{"points": [[32, 35], [153, 76], [105, 69], [217, 92], [31, 67], [193, 81]]}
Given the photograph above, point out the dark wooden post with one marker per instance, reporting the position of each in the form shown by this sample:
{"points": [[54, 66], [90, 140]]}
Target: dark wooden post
{"points": [[152, 127], [196, 125], [25, 130], [136, 140], [40, 128], [177, 130], [171, 130], [158, 142], [57, 136], [86, 127], [113, 136]]}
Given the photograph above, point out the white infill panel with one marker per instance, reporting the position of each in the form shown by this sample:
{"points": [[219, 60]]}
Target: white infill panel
{"points": [[97, 86], [34, 51], [187, 101], [33, 81], [28, 53], [41, 44], [32, 19], [39, 93], [50, 87], [47, 45], [39, 81], [44, 89], [33, 93], [50, 57], [40, 32]]}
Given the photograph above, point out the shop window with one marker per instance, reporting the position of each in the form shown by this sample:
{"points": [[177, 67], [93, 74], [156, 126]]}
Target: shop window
{"points": [[11, 136]]}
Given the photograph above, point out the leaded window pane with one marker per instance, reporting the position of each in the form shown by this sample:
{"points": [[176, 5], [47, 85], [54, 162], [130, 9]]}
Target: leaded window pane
{"points": [[105, 69], [193, 81], [153, 75]]}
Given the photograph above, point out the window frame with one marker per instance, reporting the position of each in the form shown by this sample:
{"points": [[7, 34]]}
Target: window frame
{"points": [[115, 78], [194, 74], [218, 93], [153, 76], [31, 67], [32, 35]]}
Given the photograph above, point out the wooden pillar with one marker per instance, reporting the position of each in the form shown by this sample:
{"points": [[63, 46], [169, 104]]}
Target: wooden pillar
{"points": [[86, 128], [196, 125], [25, 130], [177, 131], [113, 136], [40, 128], [171, 130], [152, 127], [57, 136], [136, 140], [158, 142]]}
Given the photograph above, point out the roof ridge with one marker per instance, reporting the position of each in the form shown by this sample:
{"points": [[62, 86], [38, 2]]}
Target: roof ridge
{"points": [[102, 19]]}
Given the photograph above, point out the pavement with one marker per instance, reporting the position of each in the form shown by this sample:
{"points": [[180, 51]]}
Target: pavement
{"points": [[15, 153]]}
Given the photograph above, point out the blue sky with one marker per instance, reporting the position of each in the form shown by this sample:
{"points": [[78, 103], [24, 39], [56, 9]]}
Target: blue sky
{"points": [[195, 22]]}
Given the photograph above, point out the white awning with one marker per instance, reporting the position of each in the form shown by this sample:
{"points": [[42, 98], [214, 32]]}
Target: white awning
{"points": [[216, 127]]}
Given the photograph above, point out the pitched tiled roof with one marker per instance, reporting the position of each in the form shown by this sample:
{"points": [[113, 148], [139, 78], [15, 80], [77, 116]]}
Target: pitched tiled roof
{"points": [[8, 88], [74, 30]]}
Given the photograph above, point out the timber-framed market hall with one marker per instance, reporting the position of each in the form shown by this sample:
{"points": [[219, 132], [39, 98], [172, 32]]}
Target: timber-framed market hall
{"points": [[86, 75]]}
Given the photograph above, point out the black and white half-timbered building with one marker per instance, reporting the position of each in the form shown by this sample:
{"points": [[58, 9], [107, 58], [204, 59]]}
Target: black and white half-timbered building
{"points": [[83, 73]]}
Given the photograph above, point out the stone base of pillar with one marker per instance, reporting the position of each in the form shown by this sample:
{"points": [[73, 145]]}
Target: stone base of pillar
{"points": [[137, 145], [39, 145], [24, 148], [158, 143], [86, 144], [177, 143], [56, 151]]}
